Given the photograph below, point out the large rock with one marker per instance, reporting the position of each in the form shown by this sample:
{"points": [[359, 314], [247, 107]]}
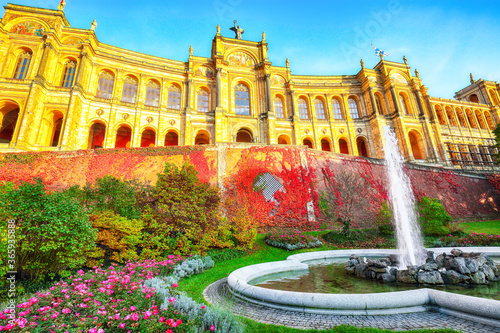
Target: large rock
{"points": [[472, 265], [393, 259], [388, 278], [361, 270], [456, 252], [478, 278], [430, 266], [353, 262], [454, 277], [430, 256], [440, 259], [459, 265], [413, 270], [379, 263], [488, 272], [429, 277], [405, 277]]}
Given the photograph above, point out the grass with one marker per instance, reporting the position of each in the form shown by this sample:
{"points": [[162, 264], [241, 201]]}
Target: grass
{"points": [[487, 227], [261, 253]]}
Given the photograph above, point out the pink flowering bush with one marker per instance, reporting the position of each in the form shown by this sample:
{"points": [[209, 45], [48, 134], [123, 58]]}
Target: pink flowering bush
{"points": [[291, 240], [112, 299], [474, 239]]}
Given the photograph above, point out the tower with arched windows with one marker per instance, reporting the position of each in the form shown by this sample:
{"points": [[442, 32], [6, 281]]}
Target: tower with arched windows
{"points": [[64, 90]]}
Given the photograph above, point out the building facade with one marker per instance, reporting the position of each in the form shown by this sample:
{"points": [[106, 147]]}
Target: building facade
{"points": [[62, 89]]}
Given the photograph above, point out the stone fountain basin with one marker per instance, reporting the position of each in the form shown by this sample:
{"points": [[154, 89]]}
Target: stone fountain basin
{"points": [[472, 308]]}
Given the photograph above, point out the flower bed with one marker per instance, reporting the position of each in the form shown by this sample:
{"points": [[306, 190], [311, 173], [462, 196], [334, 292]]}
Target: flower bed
{"points": [[291, 240], [116, 299], [474, 239]]}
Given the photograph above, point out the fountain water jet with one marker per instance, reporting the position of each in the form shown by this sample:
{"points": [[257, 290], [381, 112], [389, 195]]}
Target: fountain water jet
{"points": [[409, 240]]}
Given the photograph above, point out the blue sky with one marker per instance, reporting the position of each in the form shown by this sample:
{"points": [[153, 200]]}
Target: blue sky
{"points": [[444, 40]]}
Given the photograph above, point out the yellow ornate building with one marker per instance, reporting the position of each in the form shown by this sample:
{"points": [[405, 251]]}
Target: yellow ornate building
{"points": [[62, 89]]}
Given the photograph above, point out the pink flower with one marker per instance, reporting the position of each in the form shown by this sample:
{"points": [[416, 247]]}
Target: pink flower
{"points": [[122, 325], [172, 299], [174, 285], [147, 314], [134, 316], [117, 316], [133, 308], [203, 306], [212, 328]]}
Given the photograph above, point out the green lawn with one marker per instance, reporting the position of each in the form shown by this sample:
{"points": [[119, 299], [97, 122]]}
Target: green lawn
{"points": [[260, 253], [487, 227]]}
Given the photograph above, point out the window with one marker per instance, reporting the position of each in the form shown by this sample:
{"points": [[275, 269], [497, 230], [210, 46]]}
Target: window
{"points": [[303, 111], [242, 100], [353, 108], [129, 94], [470, 116], [106, 83], [404, 106], [69, 74], [320, 109], [278, 108], [153, 94], [202, 100], [451, 118], [174, 98], [380, 105], [337, 112], [23, 64]]}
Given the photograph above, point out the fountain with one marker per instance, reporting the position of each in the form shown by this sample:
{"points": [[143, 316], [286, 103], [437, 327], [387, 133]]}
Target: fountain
{"points": [[409, 241]]}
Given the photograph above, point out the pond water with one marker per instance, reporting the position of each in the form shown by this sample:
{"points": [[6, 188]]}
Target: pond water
{"points": [[329, 276]]}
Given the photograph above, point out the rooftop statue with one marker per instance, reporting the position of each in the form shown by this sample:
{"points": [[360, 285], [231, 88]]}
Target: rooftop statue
{"points": [[237, 30]]}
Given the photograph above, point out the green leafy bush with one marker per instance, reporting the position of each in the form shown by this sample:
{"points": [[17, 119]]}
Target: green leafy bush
{"points": [[221, 255], [359, 238], [385, 222], [52, 230], [117, 238], [291, 240], [474, 239], [433, 218], [180, 214]]}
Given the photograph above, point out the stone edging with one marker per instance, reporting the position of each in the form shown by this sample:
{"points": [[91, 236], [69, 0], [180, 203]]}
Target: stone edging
{"points": [[474, 308]]}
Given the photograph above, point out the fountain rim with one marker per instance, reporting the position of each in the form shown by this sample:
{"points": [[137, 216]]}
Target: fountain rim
{"points": [[475, 308]]}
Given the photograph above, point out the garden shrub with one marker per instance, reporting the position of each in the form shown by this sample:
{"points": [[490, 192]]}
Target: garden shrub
{"points": [[291, 240], [52, 231], [433, 218], [222, 255], [474, 239], [117, 238], [111, 194], [359, 238], [181, 210], [385, 220]]}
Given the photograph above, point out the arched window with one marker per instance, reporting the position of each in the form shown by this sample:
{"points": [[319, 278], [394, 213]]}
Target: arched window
{"points": [[69, 74], [202, 138], [480, 120], [494, 98], [489, 121], [171, 139], [283, 140], [470, 117], [404, 104], [303, 110], [9, 115], [242, 100], [473, 98], [123, 137], [451, 117], [343, 146], [106, 83], [202, 100], [361, 144], [56, 133], [148, 138], [129, 94], [380, 104], [96, 136], [325, 145], [440, 116], [174, 98], [461, 118], [244, 135], [417, 146], [23, 64], [320, 109], [153, 94], [337, 112], [308, 142], [353, 108], [278, 108]]}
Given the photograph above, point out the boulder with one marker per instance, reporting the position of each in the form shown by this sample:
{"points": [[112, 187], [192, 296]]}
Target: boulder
{"points": [[472, 265], [354, 256], [430, 266], [428, 277], [377, 269], [488, 272], [350, 269], [393, 271], [405, 277], [456, 252], [458, 264], [379, 263], [388, 278], [454, 277], [353, 262], [430, 256], [393, 259], [361, 270], [440, 259], [413, 270], [478, 278]]}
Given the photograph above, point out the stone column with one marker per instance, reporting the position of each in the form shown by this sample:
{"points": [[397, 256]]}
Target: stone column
{"points": [[219, 96], [268, 90]]}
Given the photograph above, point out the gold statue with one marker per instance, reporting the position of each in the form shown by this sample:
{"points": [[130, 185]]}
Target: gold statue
{"points": [[190, 50]]}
